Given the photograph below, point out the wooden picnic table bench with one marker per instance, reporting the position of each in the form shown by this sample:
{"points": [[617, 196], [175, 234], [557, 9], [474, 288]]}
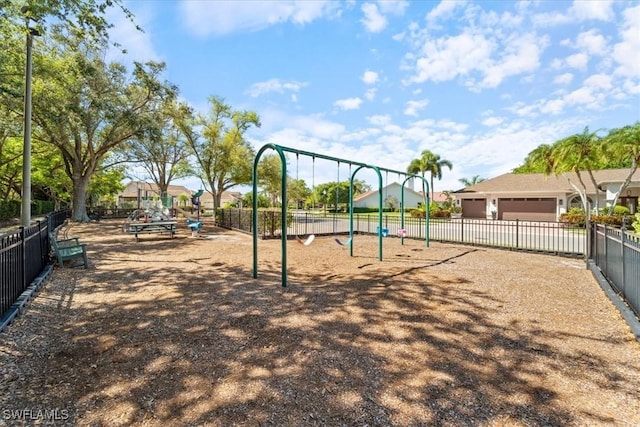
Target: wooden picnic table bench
{"points": [[137, 228], [67, 249]]}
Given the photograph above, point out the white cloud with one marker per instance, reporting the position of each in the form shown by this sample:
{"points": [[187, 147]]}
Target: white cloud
{"points": [[373, 20], [444, 9], [446, 58], [221, 17], [625, 53], [563, 79], [600, 10], [274, 85], [348, 103], [521, 55], [370, 77], [592, 42], [474, 53], [395, 7], [370, 94], [379, 120], [580, 10], [599, 81], [413, 107], [578, 61], [492, 121]]}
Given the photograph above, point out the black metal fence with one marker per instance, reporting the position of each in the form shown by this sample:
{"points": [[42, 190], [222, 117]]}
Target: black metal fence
{"points": [[617, 253], [24, 254], [549, 237]]}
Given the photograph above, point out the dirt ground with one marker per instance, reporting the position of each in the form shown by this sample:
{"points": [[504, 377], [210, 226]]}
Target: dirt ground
{"points": [[177, 332]]}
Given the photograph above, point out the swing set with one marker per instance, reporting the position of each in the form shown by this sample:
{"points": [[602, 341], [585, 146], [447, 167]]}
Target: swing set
{"points": [[280, 150]]}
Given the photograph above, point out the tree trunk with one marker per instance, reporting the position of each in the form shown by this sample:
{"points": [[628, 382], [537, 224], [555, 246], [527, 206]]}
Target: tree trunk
{"points": [[79, 206]]}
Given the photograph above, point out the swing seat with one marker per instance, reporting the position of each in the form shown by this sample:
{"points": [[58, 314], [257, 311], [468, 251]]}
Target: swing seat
{"points": [[402, 232], [307, 242], [385, 231], [345, 244]]}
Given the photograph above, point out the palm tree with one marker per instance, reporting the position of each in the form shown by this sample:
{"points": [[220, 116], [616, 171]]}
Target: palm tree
{"points": [[580, 152], [428, 162], [473, 181], [542, 159], [624, 143]]}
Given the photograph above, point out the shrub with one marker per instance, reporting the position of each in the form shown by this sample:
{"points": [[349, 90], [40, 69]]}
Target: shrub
{"points": [[9, 209], [636, 223], [574, 218], [613, 220]]}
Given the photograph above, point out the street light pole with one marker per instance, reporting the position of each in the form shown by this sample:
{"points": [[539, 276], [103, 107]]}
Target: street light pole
{"points": [[25, 217]]}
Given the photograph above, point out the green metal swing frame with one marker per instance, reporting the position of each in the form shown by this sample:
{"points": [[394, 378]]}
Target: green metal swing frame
{"points": [[281, 150]]}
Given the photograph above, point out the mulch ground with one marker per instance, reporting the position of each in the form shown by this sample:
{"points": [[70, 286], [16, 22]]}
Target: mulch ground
{"points": [[177, 332]]}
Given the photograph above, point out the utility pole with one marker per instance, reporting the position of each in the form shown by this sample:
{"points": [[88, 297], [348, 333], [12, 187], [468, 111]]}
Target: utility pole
{"points": [[25, 217]]}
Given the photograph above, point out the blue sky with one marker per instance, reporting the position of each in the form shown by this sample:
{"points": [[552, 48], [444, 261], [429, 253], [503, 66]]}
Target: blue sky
{"points": [[479, 83]]}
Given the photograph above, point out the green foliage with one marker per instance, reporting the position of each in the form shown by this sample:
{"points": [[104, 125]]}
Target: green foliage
{"points": [[263, 200], [224, 157], [636, 223], [428, 162], [357, 209], [473, 181], [620, 210], [9, 209], [618, 150], [161, 148]]}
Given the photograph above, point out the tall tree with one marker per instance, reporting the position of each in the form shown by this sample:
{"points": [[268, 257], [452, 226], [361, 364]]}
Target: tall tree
{"points": [[86, 108], [270, 177], [624, 143], [473, 181], [580, 153], [428, 162], [161, 148], [297, 190], [224, 158], [542, 159]]}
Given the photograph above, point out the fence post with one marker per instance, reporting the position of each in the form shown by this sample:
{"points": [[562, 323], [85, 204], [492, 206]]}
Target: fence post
{"points": [[461, 229], [23, 265], [623, 233], [517, 234], [606, 251]]}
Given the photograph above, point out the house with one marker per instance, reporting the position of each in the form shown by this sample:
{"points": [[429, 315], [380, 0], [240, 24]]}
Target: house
{"points": [[137, 191], [541, 197], [228, 197], [391, 196]]}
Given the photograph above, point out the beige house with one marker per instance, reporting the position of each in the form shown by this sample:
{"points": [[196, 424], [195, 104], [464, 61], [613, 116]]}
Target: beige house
{"points": [[179, 196], [542, 197], [138, 191], [228, 197]]}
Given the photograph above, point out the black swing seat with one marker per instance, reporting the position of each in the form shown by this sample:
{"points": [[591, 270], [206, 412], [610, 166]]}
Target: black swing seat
{"points": [[345, 244]]}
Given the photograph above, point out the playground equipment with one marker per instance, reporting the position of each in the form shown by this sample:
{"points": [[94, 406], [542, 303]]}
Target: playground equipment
{"points": [[307, 242], [283, 222], [149, 221], [194, 226], [347, 243], [311, 237]]}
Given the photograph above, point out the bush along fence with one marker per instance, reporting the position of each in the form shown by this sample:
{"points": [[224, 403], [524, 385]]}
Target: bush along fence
{"points": [[24, 257]]}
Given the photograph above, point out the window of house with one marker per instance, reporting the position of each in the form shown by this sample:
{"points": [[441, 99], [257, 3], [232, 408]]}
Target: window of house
{"points": [[576, 202]]}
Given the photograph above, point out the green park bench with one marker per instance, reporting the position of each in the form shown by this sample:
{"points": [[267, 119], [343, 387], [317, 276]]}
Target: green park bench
{"points": [[68, 249]]}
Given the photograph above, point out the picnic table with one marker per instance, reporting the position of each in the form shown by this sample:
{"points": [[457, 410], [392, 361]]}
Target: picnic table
{"points": [[151, 227]]}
